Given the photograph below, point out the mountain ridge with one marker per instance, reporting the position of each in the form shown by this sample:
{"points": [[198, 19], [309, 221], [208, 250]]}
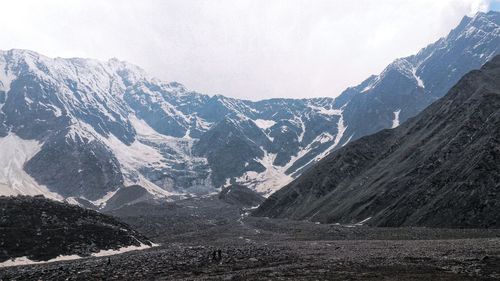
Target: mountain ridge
{"points": [[439, 168], [103, 126]]}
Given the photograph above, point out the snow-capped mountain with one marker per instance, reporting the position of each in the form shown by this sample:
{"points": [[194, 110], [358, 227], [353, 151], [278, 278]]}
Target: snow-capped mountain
{"points": [[85, 130], [410, 84], [438, 169]]}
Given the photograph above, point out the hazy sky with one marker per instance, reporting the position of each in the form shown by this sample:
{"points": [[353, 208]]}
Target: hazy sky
{"points": [[248, 49]]}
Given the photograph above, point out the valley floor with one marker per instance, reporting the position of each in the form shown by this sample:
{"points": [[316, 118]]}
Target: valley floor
{"points": [[267, 249]]}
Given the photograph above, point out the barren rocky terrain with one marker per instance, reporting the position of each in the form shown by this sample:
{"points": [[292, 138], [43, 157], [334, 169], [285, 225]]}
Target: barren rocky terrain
{"points": [[252, 248], [40, 229]]}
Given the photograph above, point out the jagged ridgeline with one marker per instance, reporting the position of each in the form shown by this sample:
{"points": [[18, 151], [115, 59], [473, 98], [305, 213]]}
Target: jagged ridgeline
{"points": [[440, 169], [87, 131]]}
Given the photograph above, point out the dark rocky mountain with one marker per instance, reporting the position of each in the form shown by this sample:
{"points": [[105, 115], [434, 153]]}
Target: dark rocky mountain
{"points": [[41, 229], [81, 130], [441, 168], [127, 196], [241, 196]]}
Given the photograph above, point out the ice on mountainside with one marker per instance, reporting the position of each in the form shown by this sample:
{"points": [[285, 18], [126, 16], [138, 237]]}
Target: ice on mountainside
{"points": [[14, 153], [395, 121], [140, 130], [264, 124]]}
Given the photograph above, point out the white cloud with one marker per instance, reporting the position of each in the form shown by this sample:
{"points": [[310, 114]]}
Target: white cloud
{"points": [[247, 48]]}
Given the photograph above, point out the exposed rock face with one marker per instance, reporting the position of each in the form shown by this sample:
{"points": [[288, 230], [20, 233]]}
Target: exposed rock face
{"points": [[103, 126], [71, 167], [42, 229], [441, 168]]}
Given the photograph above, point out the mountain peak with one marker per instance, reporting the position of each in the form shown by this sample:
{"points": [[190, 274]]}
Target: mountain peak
{"points": [[168, 139], [415, 174], [21, 53], [482, 21]]}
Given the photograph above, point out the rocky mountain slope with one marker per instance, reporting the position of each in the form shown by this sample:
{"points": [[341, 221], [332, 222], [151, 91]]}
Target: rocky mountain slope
{"points": [[441, 168], [241, 196], [79, 128], [40, 229], [82, 130]]}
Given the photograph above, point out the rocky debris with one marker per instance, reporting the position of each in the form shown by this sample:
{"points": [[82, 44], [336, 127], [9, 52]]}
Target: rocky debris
{"points": [[127, 196], [210, 219], [253, 248], [181, 220], [241, 196], [439, 169], [285, 260], [41, 229]]}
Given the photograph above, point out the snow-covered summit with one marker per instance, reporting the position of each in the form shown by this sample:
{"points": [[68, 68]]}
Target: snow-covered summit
{"points": [[106, 131], [409, 84], [104, 125]]}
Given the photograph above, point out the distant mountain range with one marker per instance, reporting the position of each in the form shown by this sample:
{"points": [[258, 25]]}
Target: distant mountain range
{"points": [[441, 168], [85, 131]]}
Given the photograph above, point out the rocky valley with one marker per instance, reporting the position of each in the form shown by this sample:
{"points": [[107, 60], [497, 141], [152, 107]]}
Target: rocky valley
{"points": [[190, 231], [108, 173]]}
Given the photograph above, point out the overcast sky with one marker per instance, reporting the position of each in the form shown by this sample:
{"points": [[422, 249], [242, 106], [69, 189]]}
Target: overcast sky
{"points": [[251, 49]]}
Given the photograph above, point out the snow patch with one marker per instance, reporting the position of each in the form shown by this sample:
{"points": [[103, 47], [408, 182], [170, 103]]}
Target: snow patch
{"points": [[340, 133], [348, 140], [100, 203], [395, 122], [141, 127], [188, 134], [56, 110], [136, 154], [72, 201], [341, 128], [324, 111], [270, 180], [303, 127], [14, 153], [202, 124], [363, 221], [420, 82], [324, 137], [6, 78], [102, 253], [366, 89], [371, 84], [264, 124]]}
